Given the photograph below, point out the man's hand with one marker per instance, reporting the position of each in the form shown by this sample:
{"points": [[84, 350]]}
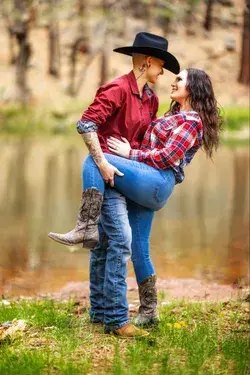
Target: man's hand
{"points": [[118, 147], [108, 172]]}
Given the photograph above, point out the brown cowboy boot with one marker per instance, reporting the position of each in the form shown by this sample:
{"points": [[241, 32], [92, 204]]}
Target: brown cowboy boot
{"points": [[147, 315], [86, 230], [128, 331]]}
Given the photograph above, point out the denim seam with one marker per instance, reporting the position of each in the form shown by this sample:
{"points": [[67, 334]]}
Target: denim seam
{"points": [[157, 191], [138, 230], [117, 326], [166, 181]]}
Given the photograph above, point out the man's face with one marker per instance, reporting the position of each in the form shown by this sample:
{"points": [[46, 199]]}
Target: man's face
{"points": [[155, 68]]}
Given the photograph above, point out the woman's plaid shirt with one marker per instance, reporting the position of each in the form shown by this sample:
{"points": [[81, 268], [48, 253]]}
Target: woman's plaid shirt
{"points": [[171, 141]]}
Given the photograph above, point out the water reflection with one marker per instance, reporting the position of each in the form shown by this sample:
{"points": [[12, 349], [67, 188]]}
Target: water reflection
{"points": [[201, 233]]}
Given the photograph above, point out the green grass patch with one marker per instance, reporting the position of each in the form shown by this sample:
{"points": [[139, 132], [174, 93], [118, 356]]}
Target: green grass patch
{"points": [[192, 338], [236, 118], [31, 120]]}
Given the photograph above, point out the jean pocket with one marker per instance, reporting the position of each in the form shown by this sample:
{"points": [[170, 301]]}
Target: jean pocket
{"points": [[164, 190]]}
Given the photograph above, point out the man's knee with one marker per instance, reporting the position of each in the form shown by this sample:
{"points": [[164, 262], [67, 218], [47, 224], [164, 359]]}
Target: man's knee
{"points": [[122, 238]]}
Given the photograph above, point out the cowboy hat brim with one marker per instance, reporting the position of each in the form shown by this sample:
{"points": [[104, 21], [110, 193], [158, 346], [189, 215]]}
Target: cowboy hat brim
{"points": [[171, 62]]}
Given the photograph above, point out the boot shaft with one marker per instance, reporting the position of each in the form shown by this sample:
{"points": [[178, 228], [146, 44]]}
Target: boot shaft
{"points": [[148, 296]]}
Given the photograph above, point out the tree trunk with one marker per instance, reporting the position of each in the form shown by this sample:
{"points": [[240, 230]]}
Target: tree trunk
{"points": [[12, 56], [21, 67], [20, 30], [104, 67], [245, 50], [189, 17], [54, 47], [104, 51], [80, 8], [208, 16], [81, 11], [81, 46], [5, 14]]}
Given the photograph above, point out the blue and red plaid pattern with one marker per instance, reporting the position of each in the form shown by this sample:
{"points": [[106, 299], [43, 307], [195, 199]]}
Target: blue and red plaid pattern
{"points": [[171, 142]]}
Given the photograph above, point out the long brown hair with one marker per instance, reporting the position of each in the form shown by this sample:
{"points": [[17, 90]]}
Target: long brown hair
{"points": [[202, 100]]}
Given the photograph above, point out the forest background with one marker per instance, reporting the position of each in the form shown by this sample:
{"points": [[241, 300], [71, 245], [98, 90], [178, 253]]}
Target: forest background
{"points": [[55, 53]]}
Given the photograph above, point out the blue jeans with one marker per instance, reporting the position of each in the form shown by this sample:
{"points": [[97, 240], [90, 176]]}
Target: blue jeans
{"points": [[123, 220], [145, 185], [108, 263]]}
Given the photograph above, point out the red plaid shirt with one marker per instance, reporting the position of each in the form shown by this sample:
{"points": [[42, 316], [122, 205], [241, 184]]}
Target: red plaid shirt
{"points": [[171, 141]]}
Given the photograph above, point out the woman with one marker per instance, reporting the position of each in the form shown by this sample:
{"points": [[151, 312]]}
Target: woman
{"points": [[169, 144]]}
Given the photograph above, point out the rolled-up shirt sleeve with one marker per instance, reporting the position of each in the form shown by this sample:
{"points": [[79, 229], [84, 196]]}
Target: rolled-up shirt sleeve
{"points": [[179, 141], [107, 100], [86, 126]]}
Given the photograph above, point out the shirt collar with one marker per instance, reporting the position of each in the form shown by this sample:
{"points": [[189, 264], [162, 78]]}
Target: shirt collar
{"points": [[147, 92]]}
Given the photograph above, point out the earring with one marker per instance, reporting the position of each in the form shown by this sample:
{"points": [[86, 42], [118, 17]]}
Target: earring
{"points": [[142, 68]]}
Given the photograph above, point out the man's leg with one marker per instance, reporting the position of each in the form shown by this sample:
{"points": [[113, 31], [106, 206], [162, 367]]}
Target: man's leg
{"points": [[97, 275], [116, 225], [141, 219]]}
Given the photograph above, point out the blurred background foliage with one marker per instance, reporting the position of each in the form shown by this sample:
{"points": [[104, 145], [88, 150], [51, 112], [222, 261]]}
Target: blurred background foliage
{"points": [[18, 120], [55, 54]]}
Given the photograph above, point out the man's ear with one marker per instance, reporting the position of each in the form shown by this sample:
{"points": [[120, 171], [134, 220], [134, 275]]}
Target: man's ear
{"points": [[148, 61]]}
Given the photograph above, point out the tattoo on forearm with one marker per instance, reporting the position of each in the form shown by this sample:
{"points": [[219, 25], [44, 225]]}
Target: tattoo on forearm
{"points": [[92, 142]]}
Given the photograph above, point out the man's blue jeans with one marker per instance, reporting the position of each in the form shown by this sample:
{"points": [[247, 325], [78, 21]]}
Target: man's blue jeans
{"points": [[123, 220]]}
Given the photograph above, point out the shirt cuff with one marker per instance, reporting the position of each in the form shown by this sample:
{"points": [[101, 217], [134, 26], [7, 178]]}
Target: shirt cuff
{"points": [[85, 126], [135, 155]]}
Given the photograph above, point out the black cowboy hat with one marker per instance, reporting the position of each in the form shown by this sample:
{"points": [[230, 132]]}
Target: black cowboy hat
{"points": [[152, 45]]}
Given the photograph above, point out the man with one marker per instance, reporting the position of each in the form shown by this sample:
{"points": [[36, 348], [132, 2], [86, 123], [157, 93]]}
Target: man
{"points": [[122, 108]]}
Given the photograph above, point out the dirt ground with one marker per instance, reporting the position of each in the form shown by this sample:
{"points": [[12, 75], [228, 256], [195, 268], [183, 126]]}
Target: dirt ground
{"points": [[168, 290]]}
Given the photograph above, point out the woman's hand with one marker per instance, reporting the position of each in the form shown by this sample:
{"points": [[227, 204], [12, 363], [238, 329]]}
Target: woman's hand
{"points": [[118, 147]]}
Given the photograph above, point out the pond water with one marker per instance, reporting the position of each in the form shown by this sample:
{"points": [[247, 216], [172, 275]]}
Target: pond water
{"points": [[202, 233]]}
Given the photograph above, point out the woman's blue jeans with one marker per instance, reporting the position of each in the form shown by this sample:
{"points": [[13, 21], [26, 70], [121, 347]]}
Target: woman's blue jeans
{"points": [[125, 223], [145, 185]]}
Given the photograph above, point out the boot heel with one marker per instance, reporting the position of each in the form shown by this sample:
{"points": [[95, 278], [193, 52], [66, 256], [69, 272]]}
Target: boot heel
{"points": [[89, 244]]}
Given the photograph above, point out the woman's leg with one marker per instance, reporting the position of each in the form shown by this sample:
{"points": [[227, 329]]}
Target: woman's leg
{"points": [[91, 176], [86, 231], [141, 219], [141, 183]]}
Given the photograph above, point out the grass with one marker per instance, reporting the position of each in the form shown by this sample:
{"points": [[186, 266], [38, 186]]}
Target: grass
{"points": [[236, 118], [29, 121], [192, 338]]}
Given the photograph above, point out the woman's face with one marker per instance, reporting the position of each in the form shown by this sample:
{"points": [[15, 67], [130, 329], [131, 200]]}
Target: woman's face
{"points": [[154, 68], [179, 91]]}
